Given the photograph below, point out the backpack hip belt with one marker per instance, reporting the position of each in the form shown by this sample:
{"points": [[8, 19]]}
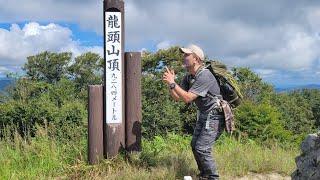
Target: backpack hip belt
{"points": [[224, 107], [217, 102]]}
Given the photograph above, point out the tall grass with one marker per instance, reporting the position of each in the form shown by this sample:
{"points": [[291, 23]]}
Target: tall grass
{"points": [[37, 157], [168, 157], [237, 158]]}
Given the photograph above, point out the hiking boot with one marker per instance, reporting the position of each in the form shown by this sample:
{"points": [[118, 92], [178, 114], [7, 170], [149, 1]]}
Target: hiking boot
{"points": [[200, 176], [208, 177], [204, 178]]}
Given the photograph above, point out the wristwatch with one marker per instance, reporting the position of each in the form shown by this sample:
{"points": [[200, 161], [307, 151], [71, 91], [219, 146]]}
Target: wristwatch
{"points": [[172, 85]]}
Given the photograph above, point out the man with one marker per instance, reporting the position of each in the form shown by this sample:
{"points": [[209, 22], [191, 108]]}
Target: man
{"points": [[200, 86]]}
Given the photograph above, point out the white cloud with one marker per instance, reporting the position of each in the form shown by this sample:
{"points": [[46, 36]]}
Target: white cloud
{"points": [[237, 40], [164, 45], [279, 40], [299, 52], [87, 13], [313, 16], [270, 35], [3, 70], [18, 43], [265, 72]]}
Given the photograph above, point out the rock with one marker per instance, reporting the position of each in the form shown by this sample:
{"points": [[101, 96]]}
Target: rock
{"points": [[309, 143], [308, 163]]}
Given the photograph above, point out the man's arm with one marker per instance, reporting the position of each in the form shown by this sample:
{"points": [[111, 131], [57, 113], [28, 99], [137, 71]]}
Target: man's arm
{"points": [[174, 95], [186, 96]]}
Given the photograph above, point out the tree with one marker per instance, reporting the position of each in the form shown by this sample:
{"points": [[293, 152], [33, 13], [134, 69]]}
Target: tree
{"points": [[313, 98], [251, 85], [160, 113], [47, 66], [38, 102], [260, 121], [296, 114], [87, 69]]}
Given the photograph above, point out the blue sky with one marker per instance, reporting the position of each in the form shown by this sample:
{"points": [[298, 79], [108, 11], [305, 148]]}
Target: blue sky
{"points": [[279, 40]]}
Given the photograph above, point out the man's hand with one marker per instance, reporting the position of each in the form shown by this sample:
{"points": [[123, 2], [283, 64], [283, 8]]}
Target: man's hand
{"points": [[178, 93], [168, 76]]}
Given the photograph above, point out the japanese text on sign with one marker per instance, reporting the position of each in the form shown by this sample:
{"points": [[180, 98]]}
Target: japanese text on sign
{"points": [[113, 67]]}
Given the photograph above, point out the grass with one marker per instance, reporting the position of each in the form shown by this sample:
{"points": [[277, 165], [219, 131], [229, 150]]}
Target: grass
{"points": [[237, 159], [169, 157]]}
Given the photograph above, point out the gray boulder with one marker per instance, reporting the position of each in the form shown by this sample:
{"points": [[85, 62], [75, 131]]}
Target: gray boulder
{"points": [[308, 163]]}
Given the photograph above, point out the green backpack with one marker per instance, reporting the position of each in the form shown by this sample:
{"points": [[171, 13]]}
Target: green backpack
{"points": [[229, 88]]}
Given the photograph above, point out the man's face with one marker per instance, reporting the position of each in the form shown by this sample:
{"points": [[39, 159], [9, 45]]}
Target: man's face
{"points": [[189, 61]]}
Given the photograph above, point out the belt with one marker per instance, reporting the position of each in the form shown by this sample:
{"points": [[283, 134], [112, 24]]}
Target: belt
{"points": [[215, 111]]}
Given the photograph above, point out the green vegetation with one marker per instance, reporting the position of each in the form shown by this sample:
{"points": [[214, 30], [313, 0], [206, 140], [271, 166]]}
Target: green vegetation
{"points": [[43, 121], [163, 157]]}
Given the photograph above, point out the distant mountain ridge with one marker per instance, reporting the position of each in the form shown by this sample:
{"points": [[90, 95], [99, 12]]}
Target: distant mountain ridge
{"points": [[291, 88], [4, 83]]}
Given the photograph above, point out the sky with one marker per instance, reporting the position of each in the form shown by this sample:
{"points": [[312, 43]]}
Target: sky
{"points": [[277, 39]]}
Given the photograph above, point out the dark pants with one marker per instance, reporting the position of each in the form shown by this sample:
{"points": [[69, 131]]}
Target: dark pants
{"points": [[208, 129]]}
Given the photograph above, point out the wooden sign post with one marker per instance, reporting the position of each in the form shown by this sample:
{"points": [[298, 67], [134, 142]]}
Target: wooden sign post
{"points": [[114, 89], [114, 117], [133, 101], [95, 123]]}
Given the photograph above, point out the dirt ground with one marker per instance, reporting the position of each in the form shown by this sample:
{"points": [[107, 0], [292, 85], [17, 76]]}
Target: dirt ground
{"points": [[269, 176]]}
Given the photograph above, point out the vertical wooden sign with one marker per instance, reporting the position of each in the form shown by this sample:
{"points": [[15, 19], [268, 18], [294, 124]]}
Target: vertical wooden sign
{"points": [[114, 106], [113, 78]]}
